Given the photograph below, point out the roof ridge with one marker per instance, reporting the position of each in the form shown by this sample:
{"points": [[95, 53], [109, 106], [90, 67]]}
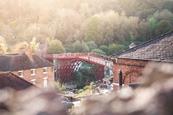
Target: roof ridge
{"points": [[159, 37]]}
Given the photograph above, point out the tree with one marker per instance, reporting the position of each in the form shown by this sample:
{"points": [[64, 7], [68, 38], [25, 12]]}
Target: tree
{"points": [[55, 47], [105, 49], [84, 75], [33, 45], [92, 45], [92, 29], [115, 48], [3, 45], [98, 51], [153, 23], [80, 46], [20, 47]]}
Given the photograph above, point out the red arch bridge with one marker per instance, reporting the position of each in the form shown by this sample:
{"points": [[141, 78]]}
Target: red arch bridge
{"points": [[68, 63]]}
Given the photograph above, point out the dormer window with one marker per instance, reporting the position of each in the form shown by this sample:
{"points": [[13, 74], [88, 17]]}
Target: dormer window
{"points": [[45, 70], [20, 73], [33, 71]]}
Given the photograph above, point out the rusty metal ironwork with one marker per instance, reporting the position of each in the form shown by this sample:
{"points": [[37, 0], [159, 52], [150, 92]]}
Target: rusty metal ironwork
{"points": [[68, 63]]}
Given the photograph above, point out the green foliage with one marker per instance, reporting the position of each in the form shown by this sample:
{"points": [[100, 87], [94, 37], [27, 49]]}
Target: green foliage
{"points": [[92, 45], [163, 27], [55, 47], [20, 47], [115, 48], [3, 46], [79, 46], [86, 91], [104, 48], [84, 75], [58, 86], [168, 5], [97, 22], [92, 29], [33, 45], [98, 51], [153, 23]]}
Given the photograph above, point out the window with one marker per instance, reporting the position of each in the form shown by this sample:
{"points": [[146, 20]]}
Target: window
{"points": [[20, 73], [45, 82], [33, 71], [45, 70], [33, 81]]}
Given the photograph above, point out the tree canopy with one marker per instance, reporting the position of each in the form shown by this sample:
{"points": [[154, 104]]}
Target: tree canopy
{"points": [[85, 25]]}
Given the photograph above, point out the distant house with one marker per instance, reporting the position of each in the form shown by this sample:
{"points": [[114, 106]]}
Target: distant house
{"points": [[32, 68], [134, 60], [10, 80]]}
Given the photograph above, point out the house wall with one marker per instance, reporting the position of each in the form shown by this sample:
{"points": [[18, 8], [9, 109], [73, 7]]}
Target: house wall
{"points": [[131, 69], [39, 79]]}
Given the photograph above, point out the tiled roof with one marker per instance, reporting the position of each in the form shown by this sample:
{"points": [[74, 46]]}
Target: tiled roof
{"points": [[11, 80], [15, 62], [160, 49]]}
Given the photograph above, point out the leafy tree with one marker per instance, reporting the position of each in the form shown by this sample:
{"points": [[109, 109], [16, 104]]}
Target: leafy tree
{"points": [[20, 47], [99, 51], [115, 48], [104, 48], [153, 23], [33, 45], [92, 29], [92, 45], [55, 47], [84, 75], [79, 46], [3, 46], [168, 5], [163, 27], [101, 21]]}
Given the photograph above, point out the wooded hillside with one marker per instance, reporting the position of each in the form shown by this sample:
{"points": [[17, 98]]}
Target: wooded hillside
{"points": [[102, 26]]}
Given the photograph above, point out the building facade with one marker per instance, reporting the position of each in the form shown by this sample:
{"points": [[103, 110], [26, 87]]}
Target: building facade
{"points": [[33, 69], [131, 70], [134, 60]]}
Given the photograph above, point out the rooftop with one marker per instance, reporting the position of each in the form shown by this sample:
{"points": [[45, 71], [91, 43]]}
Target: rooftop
{"points": [[158, 49], [15, 62]]}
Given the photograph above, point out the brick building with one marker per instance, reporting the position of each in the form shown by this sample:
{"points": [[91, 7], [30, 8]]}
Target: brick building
{"points": [[33, 69], [132, 61]]}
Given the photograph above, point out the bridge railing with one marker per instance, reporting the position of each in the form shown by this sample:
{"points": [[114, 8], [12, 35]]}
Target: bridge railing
{"points": [[70, 54], [87, 56]]}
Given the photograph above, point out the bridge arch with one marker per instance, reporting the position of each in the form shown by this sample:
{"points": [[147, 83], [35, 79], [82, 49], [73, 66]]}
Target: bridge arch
{"points": [[68, 63]]}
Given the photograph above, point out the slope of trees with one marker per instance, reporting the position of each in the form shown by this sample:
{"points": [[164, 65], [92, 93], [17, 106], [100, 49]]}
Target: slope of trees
{"points": [[103, 26]]}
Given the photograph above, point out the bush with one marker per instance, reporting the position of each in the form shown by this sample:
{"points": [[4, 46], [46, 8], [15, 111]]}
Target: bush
{"points": [[55, 47], [98, 51]]}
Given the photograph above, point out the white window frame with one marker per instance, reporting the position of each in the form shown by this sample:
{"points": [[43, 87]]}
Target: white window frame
{"points": [[45, 82], [33, 81], [46, 70], [33, 72], [21, 71]]}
